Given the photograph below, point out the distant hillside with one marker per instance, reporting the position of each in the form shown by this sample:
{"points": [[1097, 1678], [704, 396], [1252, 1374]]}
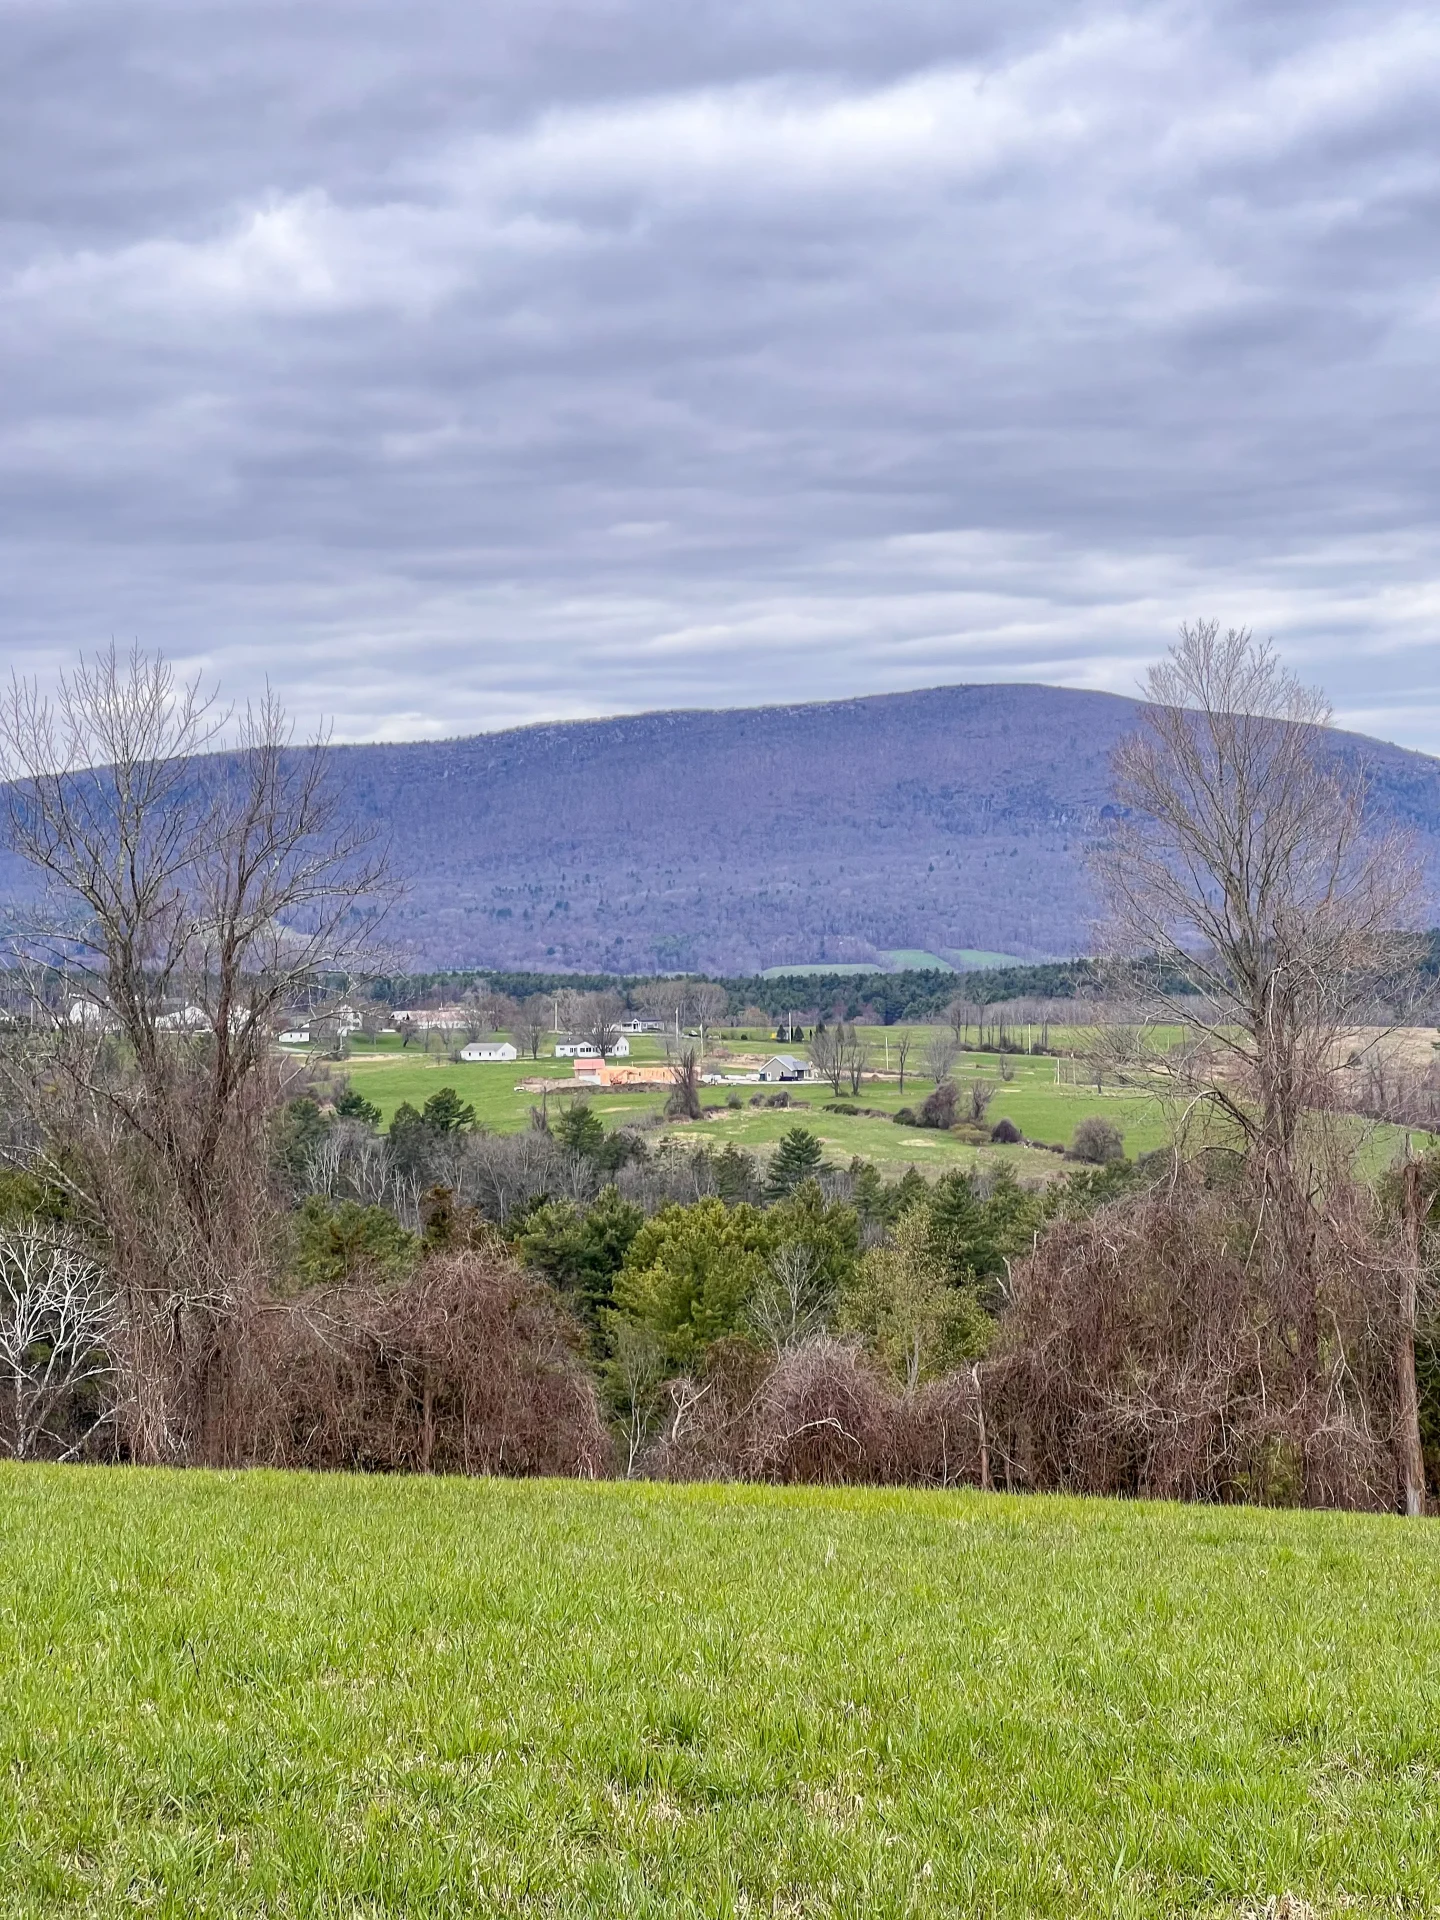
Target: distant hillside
{"points": [[947, 820], [942, 822], [732, 841]]}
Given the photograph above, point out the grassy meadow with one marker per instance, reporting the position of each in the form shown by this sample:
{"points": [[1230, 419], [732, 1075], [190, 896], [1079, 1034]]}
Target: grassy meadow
{"points": [[1044, 1106], [270, 1695]]}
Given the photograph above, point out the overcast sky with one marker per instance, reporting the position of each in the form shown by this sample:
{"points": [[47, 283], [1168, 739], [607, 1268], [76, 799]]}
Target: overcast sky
{"points": [[456, 364]]}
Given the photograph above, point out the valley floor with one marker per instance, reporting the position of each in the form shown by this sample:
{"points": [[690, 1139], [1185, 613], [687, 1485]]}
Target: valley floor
{"points": [[276, 1695], [1040, 1098]]}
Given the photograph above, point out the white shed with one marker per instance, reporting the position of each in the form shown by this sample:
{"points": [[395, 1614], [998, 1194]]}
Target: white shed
{"points": [[489, 1050]]}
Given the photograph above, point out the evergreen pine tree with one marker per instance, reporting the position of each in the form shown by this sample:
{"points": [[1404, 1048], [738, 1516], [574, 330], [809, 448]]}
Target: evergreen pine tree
{"points": [[796, 1159]]}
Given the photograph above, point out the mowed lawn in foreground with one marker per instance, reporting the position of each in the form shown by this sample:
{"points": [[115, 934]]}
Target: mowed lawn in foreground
{"points": [[275, 1695]]}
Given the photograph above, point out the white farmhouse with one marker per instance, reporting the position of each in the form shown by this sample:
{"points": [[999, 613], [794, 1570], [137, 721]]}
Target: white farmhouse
{"points": [[489, 1050], [587, 1050], [295, 1037]]}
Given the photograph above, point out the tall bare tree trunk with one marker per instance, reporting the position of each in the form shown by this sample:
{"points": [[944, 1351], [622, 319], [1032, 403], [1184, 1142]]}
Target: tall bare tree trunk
{"points": [[1411, 1456], [985, 1481]]}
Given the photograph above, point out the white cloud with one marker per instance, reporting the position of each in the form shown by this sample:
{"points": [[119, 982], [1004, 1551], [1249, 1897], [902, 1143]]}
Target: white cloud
{"points": [[715, 367]]}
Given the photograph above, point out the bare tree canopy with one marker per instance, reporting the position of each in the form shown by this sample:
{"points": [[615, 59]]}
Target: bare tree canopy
{"points": [[598, 1021], [190, 893], [57, 1321], [683, 1003], [940, 1056], [532, 1023], [904, 1045], [176, 872], [838, 1054], [684, 1101], [1245, 861]]}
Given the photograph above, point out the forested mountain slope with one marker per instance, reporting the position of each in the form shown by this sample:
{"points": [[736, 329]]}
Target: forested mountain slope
{"points": [[946, 819], [730, 841]]}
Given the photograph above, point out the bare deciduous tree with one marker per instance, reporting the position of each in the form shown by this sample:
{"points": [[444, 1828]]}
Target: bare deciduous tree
{"points": [[709, 1004], [1245, 861], [190, 894], [684, 1101], [940, 1056], [599, 1021], [636, 1375], [824, 1050], [791, 1301], [532, 1023], [962, 1014], [663, 1000], [904, 1042], [57, 1322], [1116, 1047], [838, 1054], [855, 1060], [684, 1003]]}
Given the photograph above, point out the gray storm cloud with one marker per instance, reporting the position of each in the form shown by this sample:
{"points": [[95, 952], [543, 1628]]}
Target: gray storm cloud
{"points": [[460, 365]]}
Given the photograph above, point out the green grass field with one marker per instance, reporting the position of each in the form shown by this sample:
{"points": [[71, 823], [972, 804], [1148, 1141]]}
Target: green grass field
{"points": [[269, 1695], [1046, 1097], [1041, 1108]]}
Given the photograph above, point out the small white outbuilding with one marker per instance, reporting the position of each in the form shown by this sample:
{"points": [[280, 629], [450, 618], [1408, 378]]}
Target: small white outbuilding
{"points": [[489, 1050]]}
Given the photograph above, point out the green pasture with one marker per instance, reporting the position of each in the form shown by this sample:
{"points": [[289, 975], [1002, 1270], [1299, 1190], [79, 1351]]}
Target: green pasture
{"points": [[488, 1085], [899, 960], [273, 1696], [1042, 1110], [920, 960], [842, 1136], [841, 969]]}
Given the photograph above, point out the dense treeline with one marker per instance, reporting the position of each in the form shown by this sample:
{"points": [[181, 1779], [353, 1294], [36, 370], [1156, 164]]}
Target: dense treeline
{"points": [[890, 998]]}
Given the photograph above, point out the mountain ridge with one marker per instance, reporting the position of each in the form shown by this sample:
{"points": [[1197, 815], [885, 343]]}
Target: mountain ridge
{"points": [[730, 839], [727, 840]]}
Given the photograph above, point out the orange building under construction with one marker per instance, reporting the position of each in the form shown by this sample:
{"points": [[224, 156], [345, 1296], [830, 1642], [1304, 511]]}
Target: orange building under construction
{"points": [[622, 1073]]}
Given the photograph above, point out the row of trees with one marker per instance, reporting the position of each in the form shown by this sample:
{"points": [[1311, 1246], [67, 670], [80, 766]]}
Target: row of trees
{"points": [[595, 1015]]}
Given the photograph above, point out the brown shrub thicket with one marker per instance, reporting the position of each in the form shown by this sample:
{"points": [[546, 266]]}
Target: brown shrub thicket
{"points": [[822, 1416], [1097, 1141], [469, 1366], [1155, 1348], [939, 1107], [819, 1414]]}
